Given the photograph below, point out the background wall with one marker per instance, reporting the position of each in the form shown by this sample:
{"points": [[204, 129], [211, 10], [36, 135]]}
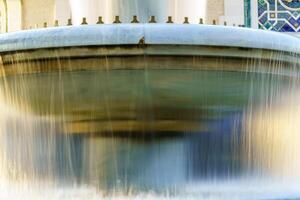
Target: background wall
{"points": [[23, 14], [279, 15], [214, 9], [14, 15], [194, 9], [62, 11], [233, 12], [3, 16], [36, 12]]}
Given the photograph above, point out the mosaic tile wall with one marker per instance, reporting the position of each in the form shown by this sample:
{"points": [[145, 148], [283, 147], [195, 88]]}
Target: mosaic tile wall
{"points": [[279, 15]]}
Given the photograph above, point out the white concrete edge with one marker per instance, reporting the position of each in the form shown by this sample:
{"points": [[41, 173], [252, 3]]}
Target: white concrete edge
{"points": [[163, 34]]}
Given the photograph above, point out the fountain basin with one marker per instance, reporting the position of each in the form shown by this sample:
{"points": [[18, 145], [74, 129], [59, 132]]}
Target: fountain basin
{"points": [[181, 104], [143, 74]]}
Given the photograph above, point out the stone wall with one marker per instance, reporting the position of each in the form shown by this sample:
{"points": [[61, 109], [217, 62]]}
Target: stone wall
{"points": [[233, 12], [3, 16], [36, 12], [14, 10], [62, 11], [214, 9]]}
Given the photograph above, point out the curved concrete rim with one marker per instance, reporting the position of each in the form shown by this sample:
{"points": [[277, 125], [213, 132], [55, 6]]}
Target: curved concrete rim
{"points": [[162, 34]]}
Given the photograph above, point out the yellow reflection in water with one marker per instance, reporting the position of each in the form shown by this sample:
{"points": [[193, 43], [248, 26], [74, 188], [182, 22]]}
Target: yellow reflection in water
{"points": [[272, 138]]}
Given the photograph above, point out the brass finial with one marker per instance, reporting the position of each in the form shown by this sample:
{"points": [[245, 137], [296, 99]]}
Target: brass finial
{"points": [[45, 24], [84, 22], [69, 22], [100, 21], [186, 20], [135, 19], [170, 21], [225, 23], [214, 22], [56, 23], [152, 19], [117, 20], [201, 21]]}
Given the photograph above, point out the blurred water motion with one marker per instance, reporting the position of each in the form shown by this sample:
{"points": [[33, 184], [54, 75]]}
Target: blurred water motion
{"points": [[151, 133]]}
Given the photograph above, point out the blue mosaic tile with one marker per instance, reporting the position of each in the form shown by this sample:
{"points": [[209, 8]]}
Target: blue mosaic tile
{"points": [[279, 15], [264, 18], [278, 26], [286, 28]]}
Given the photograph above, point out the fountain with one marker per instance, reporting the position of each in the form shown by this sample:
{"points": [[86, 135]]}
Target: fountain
{"points": [[149, 110]]}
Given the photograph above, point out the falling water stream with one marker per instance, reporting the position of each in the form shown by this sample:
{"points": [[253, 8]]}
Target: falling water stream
{"points": [[245, 146]]}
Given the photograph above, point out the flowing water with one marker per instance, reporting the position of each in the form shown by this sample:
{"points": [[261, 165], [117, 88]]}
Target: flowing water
{"points": [[239, 140]]}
